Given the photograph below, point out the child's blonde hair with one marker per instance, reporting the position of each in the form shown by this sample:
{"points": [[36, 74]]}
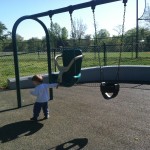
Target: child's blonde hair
{"points": [[37, 78]]}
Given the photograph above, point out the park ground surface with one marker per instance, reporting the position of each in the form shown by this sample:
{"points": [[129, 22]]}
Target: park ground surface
{"points": [[79, 119]]}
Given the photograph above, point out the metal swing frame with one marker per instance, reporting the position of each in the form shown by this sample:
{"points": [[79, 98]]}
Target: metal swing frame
{"points": [[36, 17]]}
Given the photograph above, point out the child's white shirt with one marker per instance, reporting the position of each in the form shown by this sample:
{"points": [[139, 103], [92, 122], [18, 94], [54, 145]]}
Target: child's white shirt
{"points": [[42, 92]]}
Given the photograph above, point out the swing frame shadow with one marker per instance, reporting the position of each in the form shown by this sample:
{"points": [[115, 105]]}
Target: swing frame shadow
{"points": [[11, 109], [35, 17]]}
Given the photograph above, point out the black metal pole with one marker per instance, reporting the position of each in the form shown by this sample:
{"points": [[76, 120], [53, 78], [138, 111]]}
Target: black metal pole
{"points": [[15, 51], [73, 7], [105, 54], [16, 68], [132, 46], [137, 30], [54, 58]]}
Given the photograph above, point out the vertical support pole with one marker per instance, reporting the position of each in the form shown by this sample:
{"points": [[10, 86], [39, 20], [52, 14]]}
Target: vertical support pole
{"points": [[49, 60], [54, 53], [105, 63], [49, 66], [137, 30], [14, 41], [132, 46]]}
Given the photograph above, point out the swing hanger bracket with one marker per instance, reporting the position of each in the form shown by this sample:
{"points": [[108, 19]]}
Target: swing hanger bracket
{"points": [[70, 9], [93, 5], [125, 2], [51, 13]]}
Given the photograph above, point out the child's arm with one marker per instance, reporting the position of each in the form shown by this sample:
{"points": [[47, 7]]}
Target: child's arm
{"points": [[34, 92], [52, 85]]}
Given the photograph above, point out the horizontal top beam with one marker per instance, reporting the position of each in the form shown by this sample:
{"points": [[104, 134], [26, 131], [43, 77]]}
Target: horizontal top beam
{"points": [[71, 8]]}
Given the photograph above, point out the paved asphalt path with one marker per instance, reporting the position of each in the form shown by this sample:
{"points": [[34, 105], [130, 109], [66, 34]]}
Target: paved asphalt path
{"points": [[80, 119]]}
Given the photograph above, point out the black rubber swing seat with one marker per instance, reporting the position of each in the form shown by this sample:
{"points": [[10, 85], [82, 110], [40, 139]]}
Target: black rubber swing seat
{"points": [[109, 90], [70, 72]]}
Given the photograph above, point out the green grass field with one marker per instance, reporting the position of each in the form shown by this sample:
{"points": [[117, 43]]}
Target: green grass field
{"points": [[30, 64]]}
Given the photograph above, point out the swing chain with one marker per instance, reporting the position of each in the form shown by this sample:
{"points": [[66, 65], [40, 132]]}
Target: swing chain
{"points": [[73, 33], [95, 27], [123, 25], [51, 20], [72, 27], [96, 40], [122, 40], [51, 23]]}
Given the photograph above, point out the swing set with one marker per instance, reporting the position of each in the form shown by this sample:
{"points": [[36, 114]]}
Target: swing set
{"points": [[70, 71]]}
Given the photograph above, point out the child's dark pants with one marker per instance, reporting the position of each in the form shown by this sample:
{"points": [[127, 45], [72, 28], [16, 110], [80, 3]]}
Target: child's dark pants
{"points": [[37, 109]]}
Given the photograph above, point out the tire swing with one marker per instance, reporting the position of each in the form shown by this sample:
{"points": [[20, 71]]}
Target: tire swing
{"points": [[70, 71], [109, 90]]}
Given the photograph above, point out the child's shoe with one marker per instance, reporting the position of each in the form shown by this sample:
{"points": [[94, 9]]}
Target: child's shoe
{"points": [[33, 119], [46, 117]]}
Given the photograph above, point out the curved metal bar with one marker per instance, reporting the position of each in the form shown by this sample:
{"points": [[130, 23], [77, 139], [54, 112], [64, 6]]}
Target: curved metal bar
{"points": [[15, 50], [56, 62], [65, 69]]}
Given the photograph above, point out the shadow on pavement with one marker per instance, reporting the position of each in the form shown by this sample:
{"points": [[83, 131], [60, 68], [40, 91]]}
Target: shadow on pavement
{"points": [[1, 111], [77, 144], [16, 130]]}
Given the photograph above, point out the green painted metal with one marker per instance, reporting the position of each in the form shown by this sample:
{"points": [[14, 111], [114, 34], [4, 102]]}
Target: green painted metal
{"points": [[15, 50]]}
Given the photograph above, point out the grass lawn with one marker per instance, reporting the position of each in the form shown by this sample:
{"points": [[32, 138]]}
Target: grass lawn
{"points": [[30, 64]]}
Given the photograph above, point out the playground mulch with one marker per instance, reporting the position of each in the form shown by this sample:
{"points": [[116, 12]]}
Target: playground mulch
{"points": [[79, 119]]}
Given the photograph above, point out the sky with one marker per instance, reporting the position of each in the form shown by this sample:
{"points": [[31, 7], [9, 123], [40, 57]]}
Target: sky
{"points": [[108, 16]]}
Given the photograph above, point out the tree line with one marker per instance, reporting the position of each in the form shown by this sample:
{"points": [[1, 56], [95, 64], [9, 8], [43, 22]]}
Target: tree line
{"points": [[59, 37]]}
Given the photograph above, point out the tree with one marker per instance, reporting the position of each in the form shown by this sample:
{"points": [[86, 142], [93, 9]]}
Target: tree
{"points": [[87, 39], [103, 33], [34, 45], [64, 33], [102, 36], [118, 29], [144, 35], [7, 43], [5, 37], [2, 30], [3, 33], [58, 35], [79, 29], [56, 30], [143, 32]]}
